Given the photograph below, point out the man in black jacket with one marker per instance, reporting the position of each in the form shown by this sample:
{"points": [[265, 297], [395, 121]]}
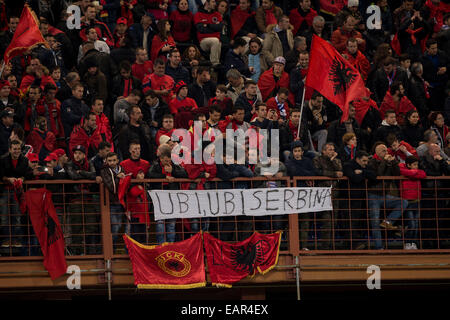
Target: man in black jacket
{"points": [[14, 170], [73, 109], [432, 204], [83, 219], [111, 174], [353, 206], [202, 89], [164, 168], [153, 109], [136, 130]]}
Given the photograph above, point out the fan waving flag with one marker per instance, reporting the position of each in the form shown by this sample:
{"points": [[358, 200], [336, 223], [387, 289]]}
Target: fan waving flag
{"points": [[26, 36], [333, 76], [177, 265], [230, 263], [39, 205]]}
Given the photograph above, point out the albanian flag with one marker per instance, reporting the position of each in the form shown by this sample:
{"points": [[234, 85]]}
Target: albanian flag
{"points": [[26, 36], [333, 76], [230, 263], [39, 205], [177, 265]]}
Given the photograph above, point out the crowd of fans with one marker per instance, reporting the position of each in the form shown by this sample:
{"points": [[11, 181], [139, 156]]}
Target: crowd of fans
{"points": [[102, 102]]}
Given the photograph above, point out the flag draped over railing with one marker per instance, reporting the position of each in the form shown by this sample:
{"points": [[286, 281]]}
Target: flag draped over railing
{"points": [[177, 265]]}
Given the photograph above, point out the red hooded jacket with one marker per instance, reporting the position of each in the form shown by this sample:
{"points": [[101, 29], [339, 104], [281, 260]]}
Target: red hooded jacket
{"points": [[411, 189], [269, 87]]}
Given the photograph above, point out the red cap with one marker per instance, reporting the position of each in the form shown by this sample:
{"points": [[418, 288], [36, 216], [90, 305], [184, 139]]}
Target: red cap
{"points": [[59, 152], [51, 157], [122, 20], [33, 157]]}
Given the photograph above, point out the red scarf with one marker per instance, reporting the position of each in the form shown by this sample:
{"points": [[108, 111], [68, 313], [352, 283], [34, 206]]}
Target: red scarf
{"points": [[294, 129], [270, 16], [375, 156], [238, 19], [412, 33], [84, 165], [128, 86]]}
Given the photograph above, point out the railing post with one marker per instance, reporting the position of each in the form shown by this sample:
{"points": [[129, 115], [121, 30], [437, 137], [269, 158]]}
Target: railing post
{"points": [[106, 223], [294, 246]]}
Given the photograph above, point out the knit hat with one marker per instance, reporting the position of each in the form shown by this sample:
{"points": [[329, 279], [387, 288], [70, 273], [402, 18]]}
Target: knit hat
{"points": [[296, 144], [353, 3], [79, 148], [164, 139], [180, 85], [7, 113]]}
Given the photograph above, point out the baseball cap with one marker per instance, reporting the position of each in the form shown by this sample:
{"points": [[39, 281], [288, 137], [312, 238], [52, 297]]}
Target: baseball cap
{"points": [[32, 157], [51, 157], [122, 20], [59, 152], [164, 139], [7, 113], [280, 60]]}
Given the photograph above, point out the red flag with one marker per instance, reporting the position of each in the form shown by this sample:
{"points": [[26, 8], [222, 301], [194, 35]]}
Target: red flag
{"points": [[46, 226], [26, 36], [229, 263], [177, 265], [124, 185], [333, 76]]}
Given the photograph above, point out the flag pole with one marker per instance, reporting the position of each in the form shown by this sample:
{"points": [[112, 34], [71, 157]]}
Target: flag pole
{"points": [[301, 111], [2, 69]]}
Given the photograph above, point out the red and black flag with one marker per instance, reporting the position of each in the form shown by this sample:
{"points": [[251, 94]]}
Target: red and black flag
{"points": [[178, 265], [230, 263], [333, 76], [39, 205], [26, 36]]}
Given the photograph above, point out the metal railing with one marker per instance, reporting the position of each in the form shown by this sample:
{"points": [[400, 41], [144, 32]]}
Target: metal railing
{"points": [[93, 224]]}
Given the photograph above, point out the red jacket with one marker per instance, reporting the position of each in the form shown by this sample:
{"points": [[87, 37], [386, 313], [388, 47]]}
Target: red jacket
{"points": [[79, 136], [141, 70], [137, 204], [135, 166], [360, 62], [269, 87], [401, 110], [203, 17], [400, 155], [195, 170], [339, 39], [158, 44], [297, 19], [28, 80], [182, 23], [411, 188], [38, 139], [183, 111], [104, 129], [55, 122], [154, 82]]}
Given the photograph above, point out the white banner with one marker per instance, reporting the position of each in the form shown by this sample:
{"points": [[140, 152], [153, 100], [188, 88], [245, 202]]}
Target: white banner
{"points": [[172, 204]]}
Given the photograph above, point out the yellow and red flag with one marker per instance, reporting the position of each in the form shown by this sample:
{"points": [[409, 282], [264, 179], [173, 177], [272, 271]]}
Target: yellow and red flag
{"points": [[230, 263], [178, 265], [26, 36]]}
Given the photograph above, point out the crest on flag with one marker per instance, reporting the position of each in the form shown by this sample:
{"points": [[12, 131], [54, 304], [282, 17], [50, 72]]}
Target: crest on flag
{"points": [[341, 75]]}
